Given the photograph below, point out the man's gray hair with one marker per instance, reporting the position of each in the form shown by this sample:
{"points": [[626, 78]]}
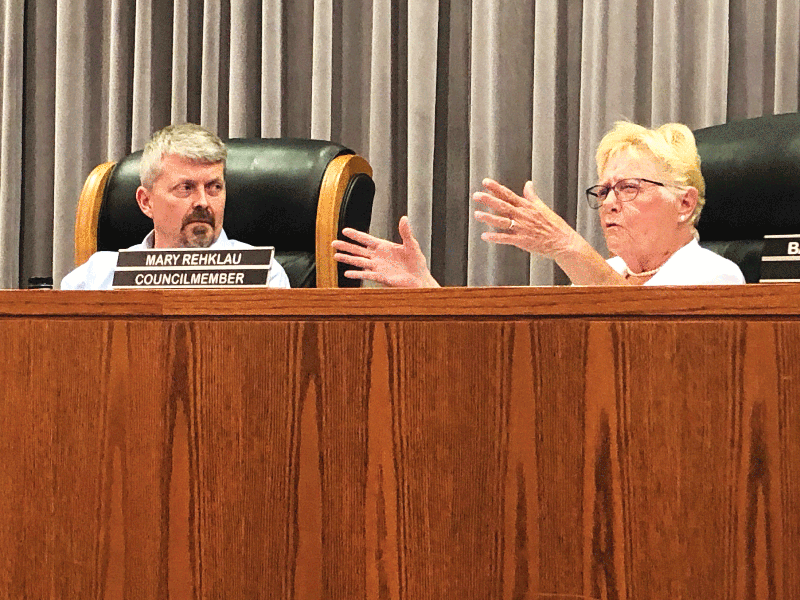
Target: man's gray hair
{"points": [[188, 141]]}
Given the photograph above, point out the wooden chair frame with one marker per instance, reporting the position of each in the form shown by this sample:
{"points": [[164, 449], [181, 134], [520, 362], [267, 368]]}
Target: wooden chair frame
{"points": [[334, 185]]}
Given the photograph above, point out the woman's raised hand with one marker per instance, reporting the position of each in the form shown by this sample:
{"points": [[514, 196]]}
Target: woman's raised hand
{"points": [[523, 221]]}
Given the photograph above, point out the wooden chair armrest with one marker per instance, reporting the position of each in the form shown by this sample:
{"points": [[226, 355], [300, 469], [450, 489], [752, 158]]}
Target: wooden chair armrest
{"points": [[334, 184], [89, 211]]}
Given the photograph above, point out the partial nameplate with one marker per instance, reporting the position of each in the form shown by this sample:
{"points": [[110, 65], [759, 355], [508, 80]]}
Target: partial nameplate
{"points": [[193, 268], [780, 261]]}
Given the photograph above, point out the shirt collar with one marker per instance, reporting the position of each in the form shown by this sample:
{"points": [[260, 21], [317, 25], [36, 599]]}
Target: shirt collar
{"points": [[149, 240]]}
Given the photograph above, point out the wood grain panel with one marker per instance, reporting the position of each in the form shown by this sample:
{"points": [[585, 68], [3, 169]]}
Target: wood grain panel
{"points": [[282, 462], [786, 461], [603, 512], [759, 559], [382, 546], [449, 477], [400, 458], [494, 302], [34, 558], [66, 471], [135, 465], [766, 300], [254, 412], [678, 391], [547, 437], [519, 392], [345, 351]]}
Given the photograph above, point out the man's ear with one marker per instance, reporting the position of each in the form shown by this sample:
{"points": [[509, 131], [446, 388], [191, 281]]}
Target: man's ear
{"points": [[687, 203], [143, 200]]}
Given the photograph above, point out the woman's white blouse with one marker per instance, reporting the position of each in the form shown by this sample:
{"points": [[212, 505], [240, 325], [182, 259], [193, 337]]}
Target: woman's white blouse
{"points": [[691, 265]]}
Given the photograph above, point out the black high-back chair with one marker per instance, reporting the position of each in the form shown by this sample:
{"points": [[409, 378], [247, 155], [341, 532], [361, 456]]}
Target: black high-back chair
{"points": [[752, 174], [296, 195]]}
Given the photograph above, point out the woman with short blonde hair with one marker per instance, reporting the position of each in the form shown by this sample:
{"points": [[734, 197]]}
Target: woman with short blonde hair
{"points": [[673, 144], [649, 196]]}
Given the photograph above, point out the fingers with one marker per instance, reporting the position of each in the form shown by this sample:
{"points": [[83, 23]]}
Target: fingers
{"points": [[407, 235], [354, 249], [498, 222], [502, 192], [364, 265], [356, 261], [362, 238], [497, 237], [530, 193], [498, 205]]}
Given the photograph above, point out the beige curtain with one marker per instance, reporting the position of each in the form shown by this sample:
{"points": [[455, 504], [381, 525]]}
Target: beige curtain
{"points": [[11, 102], [436, 94]]}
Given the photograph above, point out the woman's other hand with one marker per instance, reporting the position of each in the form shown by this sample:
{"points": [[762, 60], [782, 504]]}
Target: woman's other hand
{"points": [[394, 265]]}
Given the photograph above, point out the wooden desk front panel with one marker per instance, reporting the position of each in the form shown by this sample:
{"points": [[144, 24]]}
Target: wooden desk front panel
{"points": [[212, 458]]}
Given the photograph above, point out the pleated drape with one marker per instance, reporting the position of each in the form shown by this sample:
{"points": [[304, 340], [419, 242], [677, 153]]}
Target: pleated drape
{"points": [[11, 102], [436, 94]]}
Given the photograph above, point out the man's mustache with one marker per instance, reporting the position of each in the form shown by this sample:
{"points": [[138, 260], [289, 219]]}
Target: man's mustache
{"points": [[199, 214]]}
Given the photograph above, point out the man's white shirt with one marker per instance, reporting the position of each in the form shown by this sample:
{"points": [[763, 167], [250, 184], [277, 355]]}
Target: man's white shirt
{"points": [[97, 273]]}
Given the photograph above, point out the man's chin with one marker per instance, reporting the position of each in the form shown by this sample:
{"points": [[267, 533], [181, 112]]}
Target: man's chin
{"points": [[198, 235]]}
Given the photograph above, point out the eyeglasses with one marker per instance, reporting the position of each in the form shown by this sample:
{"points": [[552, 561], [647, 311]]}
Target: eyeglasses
{"points": [[625, 190]]}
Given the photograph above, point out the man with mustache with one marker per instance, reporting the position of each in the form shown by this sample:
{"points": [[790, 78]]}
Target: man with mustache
{"points": [[182, 174]]}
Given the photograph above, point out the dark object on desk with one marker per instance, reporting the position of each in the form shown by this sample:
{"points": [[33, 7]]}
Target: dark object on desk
{"points": [[752, 174], [40, 283], [296, 195]]}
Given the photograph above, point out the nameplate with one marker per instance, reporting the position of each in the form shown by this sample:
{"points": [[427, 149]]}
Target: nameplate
{"points": [[193, 268], [780, 261]]}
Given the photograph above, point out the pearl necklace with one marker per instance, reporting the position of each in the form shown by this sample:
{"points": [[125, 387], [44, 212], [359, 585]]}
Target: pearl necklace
{"points": [[629, 273]]}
